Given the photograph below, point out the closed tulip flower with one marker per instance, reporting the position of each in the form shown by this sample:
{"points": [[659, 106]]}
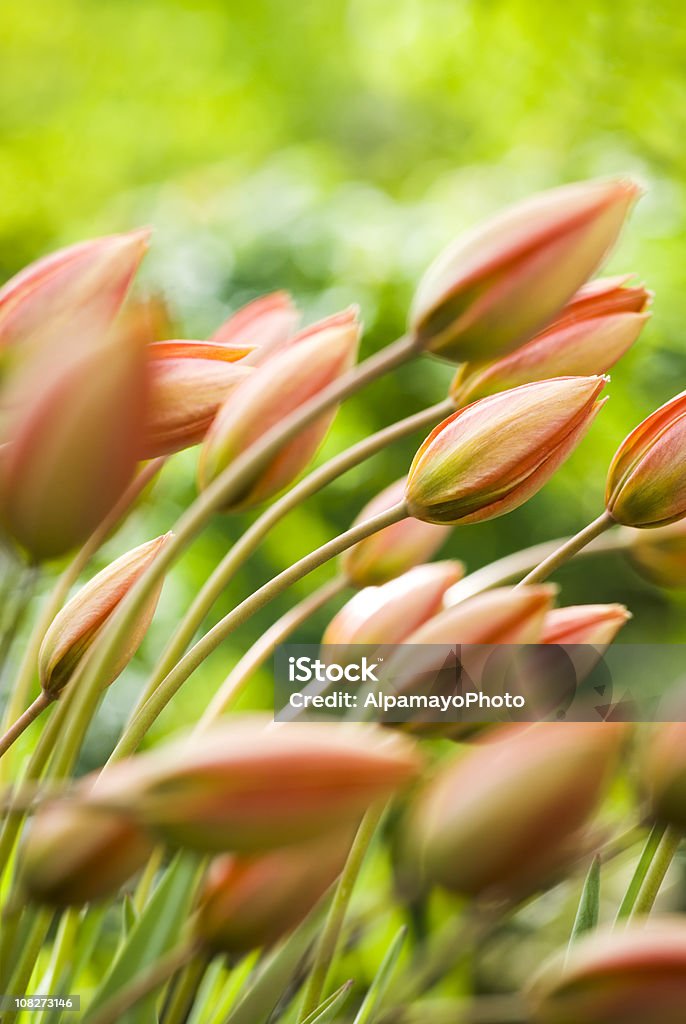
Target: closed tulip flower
{"points": [[494, 288], [660, 555], [388, 614], [75, 628], [505, 814], [265, 325], [646, 484], [246, 788], [75, 853], [491, 457], [281, 385], [635, 975], [250, 902], [393, 550], [189, 382], [592, 334], [664, 773], [596, 624]]}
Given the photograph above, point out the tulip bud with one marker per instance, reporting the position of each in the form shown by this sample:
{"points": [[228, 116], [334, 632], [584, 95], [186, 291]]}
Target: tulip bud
{"points": [[497, 286], [395, 549], [605, 296], [89, 279], [660, 555], [390, 613], [75, 628], [246, 788], [75, 853], [664, 772], [265, 325], [635, 975], [589, 338], [491, 457], [505, 814], [283, 384], [646, 483], [189, 382], [596, 624], [251, 902]]}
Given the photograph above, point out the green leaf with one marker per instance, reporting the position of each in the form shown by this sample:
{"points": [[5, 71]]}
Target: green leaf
{"points": [[589, 904], [327, 1010], [377, 989], [155, 932], [128, 913]]}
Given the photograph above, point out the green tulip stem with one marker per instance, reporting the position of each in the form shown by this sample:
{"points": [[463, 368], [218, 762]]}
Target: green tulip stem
{"points": [[24, 721], [236, 681], [567, 550], [224, 489], [661, 855], [330, 935], [250, 540], [148, 714]]}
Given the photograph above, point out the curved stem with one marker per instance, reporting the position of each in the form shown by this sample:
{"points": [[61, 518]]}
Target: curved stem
{"points": [[146, 983], [24, 721], [239, 677], [249, 541], [328, 940], [662, 857], [568, 549], [645, 860], [257, 600], [227, 486]]}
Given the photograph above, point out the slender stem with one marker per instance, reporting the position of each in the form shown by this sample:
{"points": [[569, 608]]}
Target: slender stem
{"points": [[24, 721], [331, 932], [656, 871], [227, 486], [645, 860], [239, 677], [569, 549], [146, 983], [240, 614], [249, 541]]}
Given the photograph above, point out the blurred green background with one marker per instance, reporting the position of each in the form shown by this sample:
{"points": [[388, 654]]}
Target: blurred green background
{"points": [[332, 149]]}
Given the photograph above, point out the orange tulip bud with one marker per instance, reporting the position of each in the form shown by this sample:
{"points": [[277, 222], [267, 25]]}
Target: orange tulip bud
{"points": [[497, 286], [635, 975], [189, 382], [75, 853], [247, 788], [390, 613], [282, 384], [265, 325], [594, 331], [505, 814], [664, 772], [660, 554], [505, 615], [491, 457], [646, 484], [250, 902], [393, 550], [596, 624], [75, 628]]}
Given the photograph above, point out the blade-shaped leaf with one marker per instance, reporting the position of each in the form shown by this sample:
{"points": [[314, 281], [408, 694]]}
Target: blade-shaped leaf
{"points": [[589, 903], [327, 1010], [377, 989]]}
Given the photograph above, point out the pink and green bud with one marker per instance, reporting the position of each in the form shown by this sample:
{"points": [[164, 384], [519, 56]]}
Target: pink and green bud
{"points": [[507, 814], [491, 457], [589, 338], [596, 624], [75, 853], [497, 286], [388, 614], [284, 383], [664, 773], [264, 325], [247, 788], [660, 555], [505, 615], [394, 550], [189, 382], [646, 483], [634, 975], [76, 627], [251, 902]]}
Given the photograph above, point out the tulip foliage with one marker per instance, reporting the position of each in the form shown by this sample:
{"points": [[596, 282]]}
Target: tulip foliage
{"points": [[253, 868]]}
